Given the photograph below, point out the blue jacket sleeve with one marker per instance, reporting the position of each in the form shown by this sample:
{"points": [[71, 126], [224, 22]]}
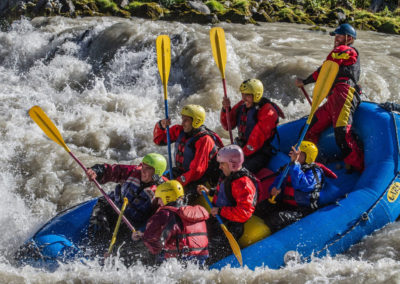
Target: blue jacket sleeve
{"points": [[303, 181]]}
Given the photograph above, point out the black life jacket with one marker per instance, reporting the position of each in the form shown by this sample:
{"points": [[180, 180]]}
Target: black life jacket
{"points": [[247, 120], [227, 186], [350, 74]]}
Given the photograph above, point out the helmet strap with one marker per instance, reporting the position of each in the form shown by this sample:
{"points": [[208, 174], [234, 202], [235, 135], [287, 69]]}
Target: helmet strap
{"points": [[156, 177]]}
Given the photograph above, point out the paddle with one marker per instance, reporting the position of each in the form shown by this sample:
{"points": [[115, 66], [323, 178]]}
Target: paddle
{"points": [[232, 242], [114, 236], [217, 38], [163, 46], [48, 127], [306, 95], [326, 77]]}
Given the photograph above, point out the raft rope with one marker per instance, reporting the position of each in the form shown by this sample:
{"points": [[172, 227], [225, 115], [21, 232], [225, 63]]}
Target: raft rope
{"points": [[364, 216]]}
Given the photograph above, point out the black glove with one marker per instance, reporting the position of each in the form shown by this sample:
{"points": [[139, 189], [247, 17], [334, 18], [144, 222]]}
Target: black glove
{"points": [[99, 169], [390, 106]]}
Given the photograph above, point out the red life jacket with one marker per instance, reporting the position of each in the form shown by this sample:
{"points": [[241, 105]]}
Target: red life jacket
{"points": [[192, 240], [265, 179], [288, 192]]}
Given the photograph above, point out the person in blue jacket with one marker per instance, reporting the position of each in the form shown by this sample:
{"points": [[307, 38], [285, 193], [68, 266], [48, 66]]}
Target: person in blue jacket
{"points": [[299, 192]]}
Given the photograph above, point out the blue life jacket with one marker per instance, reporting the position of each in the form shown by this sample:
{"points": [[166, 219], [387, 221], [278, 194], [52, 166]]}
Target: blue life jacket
{"points": [[223, 199], [140, 198]]}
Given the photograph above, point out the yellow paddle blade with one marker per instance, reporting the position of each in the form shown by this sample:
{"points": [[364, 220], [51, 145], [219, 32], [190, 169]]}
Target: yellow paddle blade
{"points": [[233, 243], [48, 127], [326, 77], [217, 38], [163, 45], [114, 236]]}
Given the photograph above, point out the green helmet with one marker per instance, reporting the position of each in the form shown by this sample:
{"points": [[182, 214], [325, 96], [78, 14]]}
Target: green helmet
{"points": [[156, 161]]}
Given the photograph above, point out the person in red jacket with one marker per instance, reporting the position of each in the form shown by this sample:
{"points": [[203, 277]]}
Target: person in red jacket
{"points": [[136, 182], [343, 100], [256, 118], [195, 149], [176, 230], [234, 200]]}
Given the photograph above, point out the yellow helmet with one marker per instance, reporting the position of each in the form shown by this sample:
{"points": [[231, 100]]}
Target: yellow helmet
{"points": [[169, 191], [310, 150], [254, 87], [196, 112]]}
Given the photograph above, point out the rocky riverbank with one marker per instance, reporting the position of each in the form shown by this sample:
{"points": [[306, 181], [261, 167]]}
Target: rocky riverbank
{"points": [[375, 15]]}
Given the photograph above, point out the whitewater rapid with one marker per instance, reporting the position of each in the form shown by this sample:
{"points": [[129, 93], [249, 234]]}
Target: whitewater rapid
{"points": [[97, 79]]}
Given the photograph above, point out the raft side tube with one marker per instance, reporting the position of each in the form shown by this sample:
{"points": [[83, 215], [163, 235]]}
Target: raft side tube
{"points": [[371, 204]]}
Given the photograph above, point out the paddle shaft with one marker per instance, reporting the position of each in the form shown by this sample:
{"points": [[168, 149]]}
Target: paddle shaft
{"points": [[231, 239], [323, 85], [116, 209], [306, 95], [211, 206], [163, 47], [168, 141], [218, 46], [228, 119], [114, 236], [286, 170]]}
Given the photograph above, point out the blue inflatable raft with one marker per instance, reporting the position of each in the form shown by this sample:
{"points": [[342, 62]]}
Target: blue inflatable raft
{"points": [[356, 204], [370, 200]]}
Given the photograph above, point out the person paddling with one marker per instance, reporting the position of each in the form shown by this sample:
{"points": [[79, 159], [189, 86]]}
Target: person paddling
{"points": [[196, 148], [234, 201], [176, 230], [256, 118], [136, 182], [343, 100], [300, 191]]}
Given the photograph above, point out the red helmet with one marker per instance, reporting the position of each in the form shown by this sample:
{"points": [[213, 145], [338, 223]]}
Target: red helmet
{"points": [[233, 155]]}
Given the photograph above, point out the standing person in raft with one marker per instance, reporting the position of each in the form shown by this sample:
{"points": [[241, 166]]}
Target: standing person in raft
{"points": [[256, 118], [300, 190], [176, 230], [234, 200], [196, 149], [343, 100], [136, 182]]}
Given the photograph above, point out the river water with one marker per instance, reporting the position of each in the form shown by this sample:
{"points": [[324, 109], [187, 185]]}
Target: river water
{"points": [[97, 79]]}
